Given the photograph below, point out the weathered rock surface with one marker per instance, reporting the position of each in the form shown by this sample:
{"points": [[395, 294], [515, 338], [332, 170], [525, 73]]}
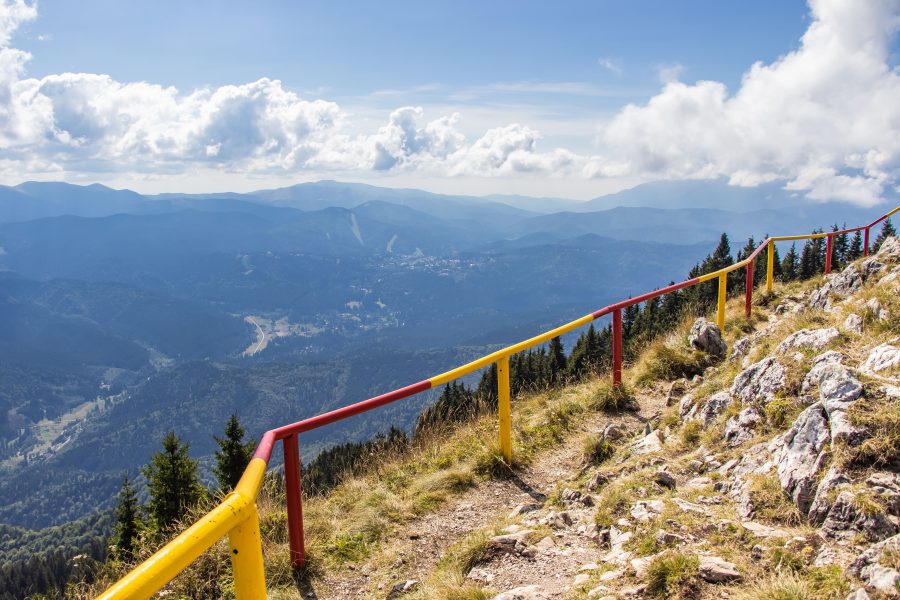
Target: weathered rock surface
{"points": [[799, 455], [716, 570], [707, 337], [715, 405], [847, 282], [838, 390], [739, 429], [740, 349], [528, 592], [881, 358], [815, 339], [818, 366], [889, 250], [853, 323], [648, 444], [759, 381]]}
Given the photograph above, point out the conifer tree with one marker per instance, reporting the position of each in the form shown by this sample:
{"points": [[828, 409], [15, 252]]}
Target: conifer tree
{"points": [[855, 249], [128, 520], [887, 230], [840, 249], [233, 454], [557, 361], [173, 482], [790, 265]]}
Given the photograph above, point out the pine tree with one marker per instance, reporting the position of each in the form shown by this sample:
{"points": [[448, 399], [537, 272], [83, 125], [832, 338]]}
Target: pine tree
{"points": [[233, 454], [721, 256], [790, 265], [840, 249], [557, 361], [887, 230], [128, 520], [855, 250], [173, 482]]}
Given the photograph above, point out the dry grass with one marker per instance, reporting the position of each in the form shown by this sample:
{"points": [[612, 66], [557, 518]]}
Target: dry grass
{"points": [[668, 359], [673, 574], [770, 501]]}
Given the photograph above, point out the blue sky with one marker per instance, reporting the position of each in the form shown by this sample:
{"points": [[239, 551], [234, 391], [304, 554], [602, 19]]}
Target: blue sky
{"points": [[565, 98]]}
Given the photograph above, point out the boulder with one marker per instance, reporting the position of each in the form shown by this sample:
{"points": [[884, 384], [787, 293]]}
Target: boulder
{"points": [[820, 299], [889, 250], [686, 406], [844, 517], [870, 267], [644, 510], [715, 406], [887, 486], [859, 594], [874, 308], [819, 364], [853, 323], [881, 358], [676, 390], [648, 444], [717, 570], [800, 453], [707, 337], [759, 381], [740, 349], [822, 503], [665, 479], [808, 338], [838, 390], [739, 429], [847, 282]]}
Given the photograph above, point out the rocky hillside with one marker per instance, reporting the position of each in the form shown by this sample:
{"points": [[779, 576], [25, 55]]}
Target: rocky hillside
{"points": [[773, 474]]}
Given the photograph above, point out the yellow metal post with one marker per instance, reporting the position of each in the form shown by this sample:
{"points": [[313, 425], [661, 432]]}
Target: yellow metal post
{"points": [[503, 408], [246, 559], [770, 265], [720, 314]]}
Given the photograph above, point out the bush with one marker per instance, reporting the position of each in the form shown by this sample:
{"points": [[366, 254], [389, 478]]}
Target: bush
{"points": [[610, 398]]}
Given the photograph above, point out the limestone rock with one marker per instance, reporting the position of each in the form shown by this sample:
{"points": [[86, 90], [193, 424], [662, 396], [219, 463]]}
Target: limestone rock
{"points": [[853, 323], [648, 444], [819, 364], [859, 594], [871, 266], [889, 250], [847, 282], [707, 336], [800, 453], [715, 406], [613, 432], [874, 308], [838, 390], [883, 579], [686, 406], [844, 516], [759, 381], [808, 338], [665, 479], [716, 570], [528, 592], [402, 588], [739, 429], [677, 389], [880, 358], [740, 349], [821, 504], [644, 510]]}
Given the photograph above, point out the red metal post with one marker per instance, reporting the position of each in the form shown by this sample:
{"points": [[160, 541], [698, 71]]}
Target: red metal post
{"points": [[748, 292], [866, 243], [294, 501], [829, 249], [617, 347]]}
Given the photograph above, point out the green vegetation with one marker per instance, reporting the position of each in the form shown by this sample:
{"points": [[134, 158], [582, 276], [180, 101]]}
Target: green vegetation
{"points": [[233, 454], [672, 574], [173, 482]]}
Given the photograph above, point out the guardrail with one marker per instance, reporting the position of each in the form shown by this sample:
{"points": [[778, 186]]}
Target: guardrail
{"points": [[237, 515]]}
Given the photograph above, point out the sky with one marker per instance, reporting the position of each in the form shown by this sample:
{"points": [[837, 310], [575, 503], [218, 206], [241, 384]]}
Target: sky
{"points": [[569, 99]]}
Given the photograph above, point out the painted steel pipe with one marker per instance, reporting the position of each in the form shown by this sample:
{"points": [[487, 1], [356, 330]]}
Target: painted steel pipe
{"points": [[748, 292], [829, 250], [617, 347], [294, 499], [504, 416]]}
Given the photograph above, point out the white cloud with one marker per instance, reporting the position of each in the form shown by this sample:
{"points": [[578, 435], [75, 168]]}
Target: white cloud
{"points": [[824, 119], [611, 65]]}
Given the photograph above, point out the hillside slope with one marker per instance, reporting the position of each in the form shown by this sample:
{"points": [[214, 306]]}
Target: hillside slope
{"points": [[774, 474]]}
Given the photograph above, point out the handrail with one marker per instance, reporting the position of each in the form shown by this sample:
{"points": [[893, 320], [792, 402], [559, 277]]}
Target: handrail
{"points": [[237, 514]]}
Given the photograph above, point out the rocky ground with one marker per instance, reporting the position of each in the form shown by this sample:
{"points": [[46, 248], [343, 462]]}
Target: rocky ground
{"points": [[772, 475]]}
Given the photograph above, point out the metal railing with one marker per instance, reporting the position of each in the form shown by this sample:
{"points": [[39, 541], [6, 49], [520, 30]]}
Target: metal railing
{"points": [[237, 515]]}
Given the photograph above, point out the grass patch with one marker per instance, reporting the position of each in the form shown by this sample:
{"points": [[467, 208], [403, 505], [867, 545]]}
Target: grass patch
{"points": [[673, 574], [611, 398], [597, 450], [880, 417], [690, 433], [781, 412], [662, 362], [770, 501]]}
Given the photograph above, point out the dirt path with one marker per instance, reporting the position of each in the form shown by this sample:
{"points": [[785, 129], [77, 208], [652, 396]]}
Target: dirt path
{"points": [[420, 544]]}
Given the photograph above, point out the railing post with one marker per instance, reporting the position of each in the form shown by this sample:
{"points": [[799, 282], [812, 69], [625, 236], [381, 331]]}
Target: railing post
{"points": [[748, 292], [617, 347], [503, 410], [246, 558], [294, 500], [770, 266], [829, 249], [720, 313], [866, 243]]}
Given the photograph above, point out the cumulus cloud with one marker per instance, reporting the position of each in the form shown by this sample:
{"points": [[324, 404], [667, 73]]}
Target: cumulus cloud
{"points": [[824, 119]]}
